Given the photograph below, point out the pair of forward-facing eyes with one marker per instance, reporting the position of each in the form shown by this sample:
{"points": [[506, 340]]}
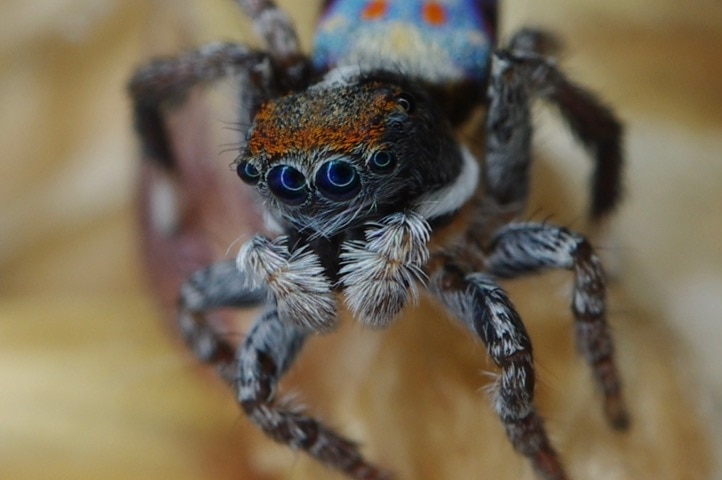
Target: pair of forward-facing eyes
{"points": [[338, 180]]}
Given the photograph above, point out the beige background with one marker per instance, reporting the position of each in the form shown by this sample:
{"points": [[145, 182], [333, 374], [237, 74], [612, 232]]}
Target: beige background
{"points": [[94, 383]]}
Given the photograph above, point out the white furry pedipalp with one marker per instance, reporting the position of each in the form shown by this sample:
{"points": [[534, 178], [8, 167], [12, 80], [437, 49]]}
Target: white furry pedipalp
{"points": [[381, 274], [296, 280]]}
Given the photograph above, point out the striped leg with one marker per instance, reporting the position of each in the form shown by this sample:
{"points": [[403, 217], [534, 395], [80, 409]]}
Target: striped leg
{"points": [[265, 355], [269, 349], [524, 248], [217, 286], [480, 303]]}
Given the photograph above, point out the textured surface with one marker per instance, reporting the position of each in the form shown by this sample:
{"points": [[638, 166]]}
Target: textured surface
{"points": [[96, 385]]}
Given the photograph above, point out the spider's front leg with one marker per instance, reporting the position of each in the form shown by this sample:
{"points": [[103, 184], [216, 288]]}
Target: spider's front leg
{"points": [[380, 274], [267, 352], [216, 286], [485, 309], [520, 249]]}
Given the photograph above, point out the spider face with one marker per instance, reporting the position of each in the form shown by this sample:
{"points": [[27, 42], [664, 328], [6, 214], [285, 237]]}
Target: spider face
{"points": [[344, 152]]}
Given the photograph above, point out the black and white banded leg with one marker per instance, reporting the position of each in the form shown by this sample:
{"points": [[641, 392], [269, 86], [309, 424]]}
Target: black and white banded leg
{"points": [[524, 248], [520, 74], [254, 369], [485, 309], [267, 352], [216, 286]]}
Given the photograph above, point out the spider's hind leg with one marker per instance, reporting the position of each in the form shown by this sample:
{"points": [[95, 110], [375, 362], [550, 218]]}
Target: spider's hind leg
{"points": [[276, 29], [166, 82], [518, 75], [191, 206]]}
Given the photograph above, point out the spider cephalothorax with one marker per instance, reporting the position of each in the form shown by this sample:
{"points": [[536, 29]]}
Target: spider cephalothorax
{"points": [[353, 169], [370, 199]]}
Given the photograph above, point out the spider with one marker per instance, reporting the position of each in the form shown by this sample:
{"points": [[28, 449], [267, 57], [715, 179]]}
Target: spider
{"points": [[371, 199]]}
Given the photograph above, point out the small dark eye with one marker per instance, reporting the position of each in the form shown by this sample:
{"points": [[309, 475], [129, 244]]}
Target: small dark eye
{"points": [[288, 184], [407, 102], [382, 162], [338, 180], [248, 172]]}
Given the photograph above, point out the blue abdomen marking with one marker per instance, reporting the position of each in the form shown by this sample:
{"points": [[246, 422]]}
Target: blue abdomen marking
{"points": [[439, 41]]}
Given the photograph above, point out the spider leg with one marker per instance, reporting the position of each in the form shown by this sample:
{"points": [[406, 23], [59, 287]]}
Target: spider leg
{"points": [[168, 81], [276, 29], [185, 190], [524, 248], [265, 355], [486, 310], [219, 285], [521, 73], [595, 124], [535, 41], [254, 369], [508, 135], [216, 286]]}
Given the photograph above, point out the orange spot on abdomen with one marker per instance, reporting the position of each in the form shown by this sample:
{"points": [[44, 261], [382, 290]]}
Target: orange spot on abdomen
{"points": [[434, 13], [374, 10]]}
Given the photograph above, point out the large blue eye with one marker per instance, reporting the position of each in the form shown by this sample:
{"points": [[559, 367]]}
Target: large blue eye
{"points": [[382, 162], [338, 180], [248, 172], [288, 184]]}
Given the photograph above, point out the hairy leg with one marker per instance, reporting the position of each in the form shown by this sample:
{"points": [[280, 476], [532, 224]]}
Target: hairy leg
{"points": [[216, 286], [276, 29], [592, 122], [485, 309], [525, 248], [264, 356], [254, 369], [520, 74], [187, 191], [508, 135], [168, 81]]}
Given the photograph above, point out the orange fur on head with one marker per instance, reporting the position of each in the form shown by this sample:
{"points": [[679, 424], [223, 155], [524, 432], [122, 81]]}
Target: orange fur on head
{"points": [[291, 124]]}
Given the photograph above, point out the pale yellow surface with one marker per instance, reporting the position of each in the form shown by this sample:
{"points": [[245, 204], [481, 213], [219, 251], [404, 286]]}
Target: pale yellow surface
{"points": [[93, 384]]}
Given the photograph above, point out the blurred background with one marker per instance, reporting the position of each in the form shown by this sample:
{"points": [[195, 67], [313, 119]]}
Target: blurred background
{"points": [[95, 383]]}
